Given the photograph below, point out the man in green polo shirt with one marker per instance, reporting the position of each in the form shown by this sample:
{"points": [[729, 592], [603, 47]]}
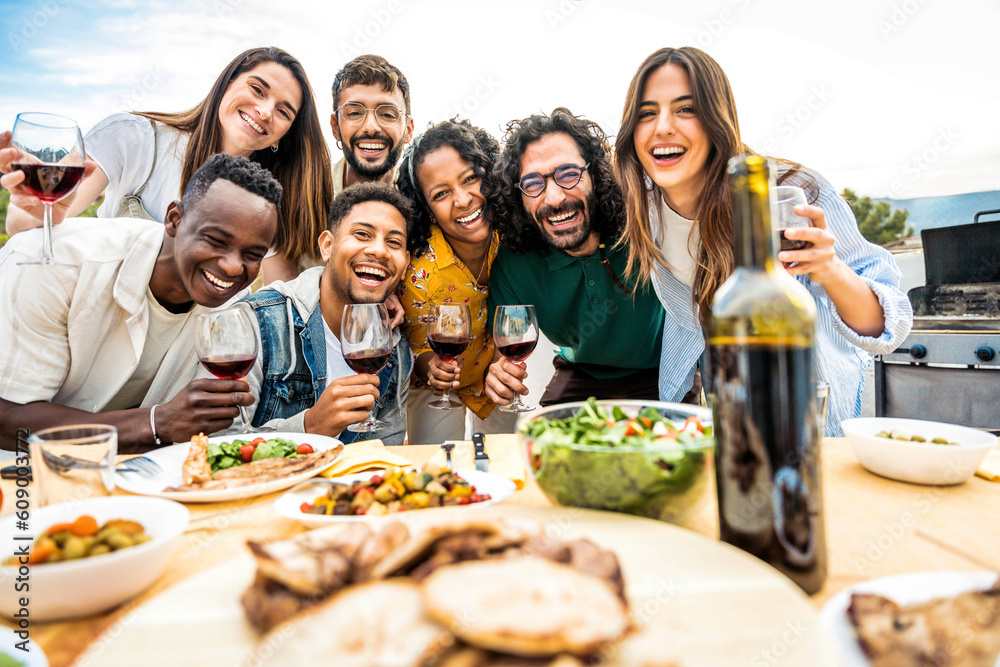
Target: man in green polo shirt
{"points": [[559, 212]]}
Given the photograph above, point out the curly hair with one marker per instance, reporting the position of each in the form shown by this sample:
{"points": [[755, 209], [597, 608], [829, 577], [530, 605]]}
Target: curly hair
{"points": [[236, 169], [475, 145], [371, 70], [518, 231], [366, 192]]}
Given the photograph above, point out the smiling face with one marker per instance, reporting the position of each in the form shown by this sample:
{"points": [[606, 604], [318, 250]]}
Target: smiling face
{"points": [[451, 189], [258, 109], [669, 139], [371, 150], [365, 257], [214, 249], [563, 216]]}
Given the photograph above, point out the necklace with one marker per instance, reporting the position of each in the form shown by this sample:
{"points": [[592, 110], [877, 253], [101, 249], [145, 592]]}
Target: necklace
{"points": [[486, 261]]}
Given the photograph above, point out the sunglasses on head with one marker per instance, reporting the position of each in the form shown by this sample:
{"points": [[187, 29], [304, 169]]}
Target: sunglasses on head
{"points": [[565, 176]]}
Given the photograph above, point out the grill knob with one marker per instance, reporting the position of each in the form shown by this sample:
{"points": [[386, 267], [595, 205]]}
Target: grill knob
{"points": [[984, 353], [918, 351]]}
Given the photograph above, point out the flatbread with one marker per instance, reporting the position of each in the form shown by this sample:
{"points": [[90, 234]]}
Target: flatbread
{"points": [[525, 605], [255, 472], [196, 469], [378, 624]]}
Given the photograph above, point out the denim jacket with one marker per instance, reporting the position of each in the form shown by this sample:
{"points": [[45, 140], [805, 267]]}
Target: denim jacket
{"points": [[290, 372]]}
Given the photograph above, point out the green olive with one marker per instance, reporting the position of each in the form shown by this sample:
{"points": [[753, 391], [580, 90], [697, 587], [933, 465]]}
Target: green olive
{"points": [[98, 549], [918, 438], [75, 547], [118, 540], [883, 434]]}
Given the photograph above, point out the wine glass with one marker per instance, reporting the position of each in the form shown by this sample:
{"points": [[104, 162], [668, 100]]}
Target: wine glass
{"points": [[449, 330], [227, 346], [786, 198], [515, 333], [366, 343], [51, 156]]}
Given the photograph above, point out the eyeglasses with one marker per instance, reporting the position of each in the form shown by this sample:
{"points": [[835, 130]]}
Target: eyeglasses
{"points": [[565, 176], [355, 113]]}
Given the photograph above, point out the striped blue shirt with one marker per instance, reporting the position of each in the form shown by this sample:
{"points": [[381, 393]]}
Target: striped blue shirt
{"points": [[842, 355]]}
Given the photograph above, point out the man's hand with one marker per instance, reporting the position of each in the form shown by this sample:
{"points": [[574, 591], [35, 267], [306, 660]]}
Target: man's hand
{"points": [[395, 310], [505, 380], [443, 375], [346, 401], [205, 406]]}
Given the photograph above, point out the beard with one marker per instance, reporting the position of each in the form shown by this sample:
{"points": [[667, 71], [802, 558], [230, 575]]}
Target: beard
{"points": [[567, 240], [367, 170]]}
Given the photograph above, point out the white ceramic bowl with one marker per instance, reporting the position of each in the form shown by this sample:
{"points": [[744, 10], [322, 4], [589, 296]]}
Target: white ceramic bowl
{"points": [[91, 585], [918, 462]]}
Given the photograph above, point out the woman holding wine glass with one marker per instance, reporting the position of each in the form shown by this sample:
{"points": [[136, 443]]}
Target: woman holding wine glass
{"points": [[261, 106], [679, 129], [452, 248]]}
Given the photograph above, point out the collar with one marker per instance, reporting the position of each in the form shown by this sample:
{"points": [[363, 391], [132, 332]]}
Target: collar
{"points": [[132, 282], [445, 255]]}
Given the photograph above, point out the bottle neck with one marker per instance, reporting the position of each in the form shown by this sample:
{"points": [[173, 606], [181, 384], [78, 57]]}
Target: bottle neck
{"points": [[754, 237]]}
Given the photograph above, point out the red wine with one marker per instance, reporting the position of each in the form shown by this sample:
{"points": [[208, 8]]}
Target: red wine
{"points": [[50, 182], [518, 352], [792, 244], [367, 361], [229, 367], [448, 347]]}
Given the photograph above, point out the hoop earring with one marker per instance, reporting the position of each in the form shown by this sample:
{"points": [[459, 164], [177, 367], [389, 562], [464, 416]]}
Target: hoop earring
{"points": [[340, 146], [274, 148]]}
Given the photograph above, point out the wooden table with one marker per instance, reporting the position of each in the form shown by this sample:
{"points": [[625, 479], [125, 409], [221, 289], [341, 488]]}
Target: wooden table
{"points": [[875, 527]]}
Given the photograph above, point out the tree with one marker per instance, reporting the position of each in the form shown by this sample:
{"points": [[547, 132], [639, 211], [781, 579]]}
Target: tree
{"points": [[91, 212], [877, 221]]}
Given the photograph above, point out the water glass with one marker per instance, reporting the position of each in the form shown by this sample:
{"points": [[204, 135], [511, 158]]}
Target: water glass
{"points": [[70, 463]]}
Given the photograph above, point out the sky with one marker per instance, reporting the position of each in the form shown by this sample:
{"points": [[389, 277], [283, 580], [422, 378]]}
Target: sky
{"points": [[891, 98]]}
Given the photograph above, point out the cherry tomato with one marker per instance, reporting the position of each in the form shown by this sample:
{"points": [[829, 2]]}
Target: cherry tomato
{"points": [[246, 453], [304, 449], [306, 507], [257, 441], [375, 480], [464, 501]]}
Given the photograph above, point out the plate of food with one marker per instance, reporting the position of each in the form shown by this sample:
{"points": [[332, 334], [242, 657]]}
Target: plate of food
{"points": [[362, 496], [16, 651], [230, 467], [918, 618]]}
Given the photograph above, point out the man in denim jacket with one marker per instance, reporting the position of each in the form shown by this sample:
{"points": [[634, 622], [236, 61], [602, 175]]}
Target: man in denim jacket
{"points": [[300, 380]]}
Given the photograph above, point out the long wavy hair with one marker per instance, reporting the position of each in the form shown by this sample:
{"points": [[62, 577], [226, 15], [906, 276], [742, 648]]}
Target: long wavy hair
{"points": [[518, 231], [716, 110], [301, 164], [475, 145]]}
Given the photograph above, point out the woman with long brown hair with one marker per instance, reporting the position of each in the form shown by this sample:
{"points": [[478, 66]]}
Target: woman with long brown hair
{"points": [[261, 106], [679, 129]]}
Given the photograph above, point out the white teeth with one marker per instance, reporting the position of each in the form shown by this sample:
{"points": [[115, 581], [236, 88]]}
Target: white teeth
{"points": [[671, 150], [561, 218], [469, 218], [257, 128], [370, 147], [370, 270], [221, 284]]}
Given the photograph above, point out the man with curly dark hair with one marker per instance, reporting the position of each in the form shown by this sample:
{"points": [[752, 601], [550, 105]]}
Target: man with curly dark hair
{"points": [[559, 212], [110, 339]]}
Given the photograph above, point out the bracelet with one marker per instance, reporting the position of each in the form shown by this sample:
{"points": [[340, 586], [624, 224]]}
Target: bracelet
{"points": [[152, 426]]}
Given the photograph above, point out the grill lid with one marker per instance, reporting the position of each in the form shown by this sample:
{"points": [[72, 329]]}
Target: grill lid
{"points": [[963, 254]]}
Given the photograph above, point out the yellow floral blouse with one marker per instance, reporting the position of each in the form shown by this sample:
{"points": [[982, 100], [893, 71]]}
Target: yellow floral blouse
{"points": [[440, 276]]}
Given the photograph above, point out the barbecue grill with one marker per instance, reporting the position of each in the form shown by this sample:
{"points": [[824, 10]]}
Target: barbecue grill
{"points": [[948, 368]]}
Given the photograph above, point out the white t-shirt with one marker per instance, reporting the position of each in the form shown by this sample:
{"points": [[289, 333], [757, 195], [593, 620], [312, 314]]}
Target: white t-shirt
{"points": [[122, 145], [336, 367], [164, 328], [679, 243]]}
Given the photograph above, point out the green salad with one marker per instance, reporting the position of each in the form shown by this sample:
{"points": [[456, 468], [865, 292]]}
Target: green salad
{"points": [[224, 455], [642, 464]]}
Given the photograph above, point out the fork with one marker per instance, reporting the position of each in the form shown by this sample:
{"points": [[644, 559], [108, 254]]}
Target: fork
{"points": [[140, 465]]}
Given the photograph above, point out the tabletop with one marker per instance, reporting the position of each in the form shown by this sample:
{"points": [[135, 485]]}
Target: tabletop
{"points": [[875, 527]]}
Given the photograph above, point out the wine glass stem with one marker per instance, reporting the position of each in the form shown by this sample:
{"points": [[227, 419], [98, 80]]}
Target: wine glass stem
{"points": [[47, 232], [246, 420]]}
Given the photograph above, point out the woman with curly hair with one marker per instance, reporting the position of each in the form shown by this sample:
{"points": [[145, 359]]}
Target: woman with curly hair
{"points": [[261, 106], [679, 129], [452, 246]]}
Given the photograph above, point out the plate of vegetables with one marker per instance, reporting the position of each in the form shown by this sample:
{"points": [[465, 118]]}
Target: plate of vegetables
{"points": [[363, 496], [645, 458]]}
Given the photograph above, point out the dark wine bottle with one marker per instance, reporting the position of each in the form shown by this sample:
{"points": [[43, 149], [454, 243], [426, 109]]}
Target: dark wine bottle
{"points": [[763, 390]]}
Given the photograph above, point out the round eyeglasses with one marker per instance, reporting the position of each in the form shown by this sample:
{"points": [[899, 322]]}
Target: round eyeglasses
{"points": [[565, 176], [355, 113]]}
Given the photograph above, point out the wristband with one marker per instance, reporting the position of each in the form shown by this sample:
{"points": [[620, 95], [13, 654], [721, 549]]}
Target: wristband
{"points": [[152, 426]]}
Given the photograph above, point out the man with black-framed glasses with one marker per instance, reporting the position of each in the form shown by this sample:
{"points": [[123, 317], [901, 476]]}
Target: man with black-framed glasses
{"points": [[371, 121], [553, 197]]}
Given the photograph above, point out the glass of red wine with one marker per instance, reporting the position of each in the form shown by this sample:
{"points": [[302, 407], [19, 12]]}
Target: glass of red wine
{"points": [[366, 343], [515, 333], [51, 155], [227, 346], [449, 329], [786, 198]]}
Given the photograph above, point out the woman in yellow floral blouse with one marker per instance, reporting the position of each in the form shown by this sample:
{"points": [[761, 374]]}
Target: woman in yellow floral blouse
{"points": [[452, 247]]}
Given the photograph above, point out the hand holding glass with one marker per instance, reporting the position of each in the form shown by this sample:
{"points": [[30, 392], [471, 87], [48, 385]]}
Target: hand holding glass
{"points": [[227, 346], [515, 333], [449, 330], [366, 343], [51, 156], [787, 197]]}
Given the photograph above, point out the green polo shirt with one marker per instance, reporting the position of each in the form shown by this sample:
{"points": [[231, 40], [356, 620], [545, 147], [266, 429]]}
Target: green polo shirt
{"points": [[582, 310]]}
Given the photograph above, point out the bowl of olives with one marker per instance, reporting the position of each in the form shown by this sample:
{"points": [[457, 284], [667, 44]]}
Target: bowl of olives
{"points": [[916, 451], [85, 557]]}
